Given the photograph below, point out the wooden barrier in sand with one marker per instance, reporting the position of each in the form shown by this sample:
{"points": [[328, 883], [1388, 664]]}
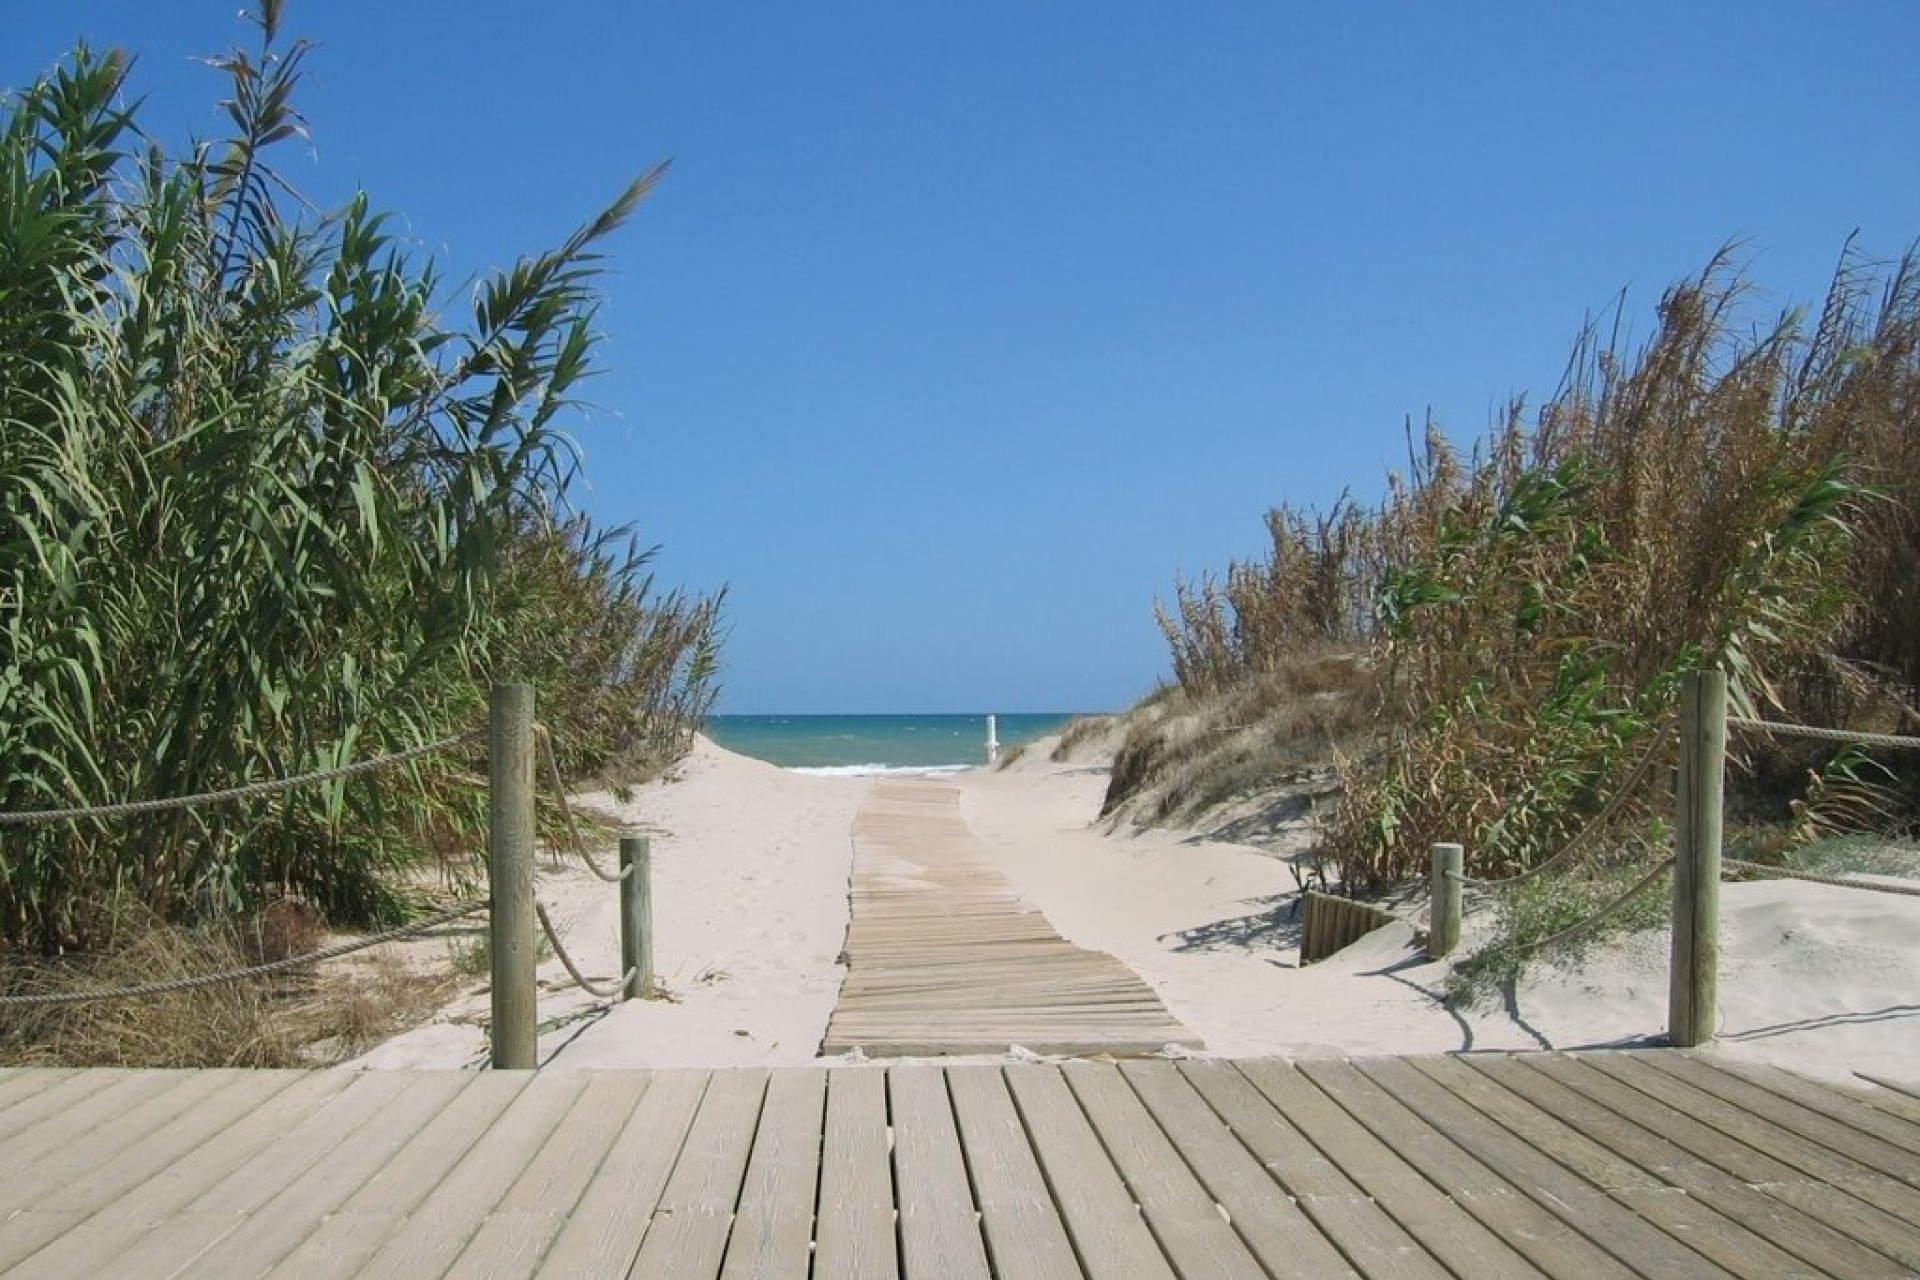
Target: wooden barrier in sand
{"points": [[1694, 965], [1330, 923]]}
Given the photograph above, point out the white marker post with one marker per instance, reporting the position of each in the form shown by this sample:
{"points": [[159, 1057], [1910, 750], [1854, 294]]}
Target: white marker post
{"points": [[993, 740]]}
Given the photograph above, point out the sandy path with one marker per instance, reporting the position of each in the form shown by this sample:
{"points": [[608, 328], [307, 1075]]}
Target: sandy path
{"points": [[751, 879]]}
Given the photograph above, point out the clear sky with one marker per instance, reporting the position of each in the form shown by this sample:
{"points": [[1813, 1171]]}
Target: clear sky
{"points": [[958, 330]]}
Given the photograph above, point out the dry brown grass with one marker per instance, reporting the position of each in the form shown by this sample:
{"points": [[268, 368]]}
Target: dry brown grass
{"points": [[299, 1019], [1731, 494]]}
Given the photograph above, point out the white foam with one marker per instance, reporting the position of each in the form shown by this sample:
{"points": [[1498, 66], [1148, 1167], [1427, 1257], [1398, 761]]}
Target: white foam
{"points": [[877, 770]]}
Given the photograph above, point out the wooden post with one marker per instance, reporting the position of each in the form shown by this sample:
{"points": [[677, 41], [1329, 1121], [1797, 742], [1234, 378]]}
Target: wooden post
{"points": [[993, 740], [636, 915], [510, 868], [1693, 981], [1443, 925]]}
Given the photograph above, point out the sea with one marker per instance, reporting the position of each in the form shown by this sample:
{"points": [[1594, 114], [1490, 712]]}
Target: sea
{"points": [[877, 744]]}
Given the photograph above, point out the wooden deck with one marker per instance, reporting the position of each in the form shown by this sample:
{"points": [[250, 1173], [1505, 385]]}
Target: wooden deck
{"points": [[1651, 1164], [944, 957]]}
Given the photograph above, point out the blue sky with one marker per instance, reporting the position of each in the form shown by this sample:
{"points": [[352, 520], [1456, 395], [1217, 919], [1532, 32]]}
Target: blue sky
{"points": [[957, 331]]}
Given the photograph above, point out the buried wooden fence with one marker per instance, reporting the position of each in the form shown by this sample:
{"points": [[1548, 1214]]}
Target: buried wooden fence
{"points": [[1331, 922]]}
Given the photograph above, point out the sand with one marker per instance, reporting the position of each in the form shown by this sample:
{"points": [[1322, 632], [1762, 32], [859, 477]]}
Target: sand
{"points": [[750, 880]]}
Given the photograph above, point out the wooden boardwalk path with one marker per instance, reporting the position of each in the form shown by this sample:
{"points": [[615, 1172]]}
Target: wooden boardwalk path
{"points": [[1648, 1164], [944, 957]]}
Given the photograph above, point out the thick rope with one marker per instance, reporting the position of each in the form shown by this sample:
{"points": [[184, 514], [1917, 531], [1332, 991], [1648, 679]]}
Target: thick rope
{"points": [[1851, 736], [23, 817], [580, 979], [1640, 886], [252, 971], [1787, 873], [541, 732], [1620, 797]]}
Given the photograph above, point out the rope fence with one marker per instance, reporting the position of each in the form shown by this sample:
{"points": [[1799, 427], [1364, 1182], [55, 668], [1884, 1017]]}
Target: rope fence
{"points": [[418, 927], [28, 817], [616, 992], [1852, 737], [512, 736], [1697, 863]]}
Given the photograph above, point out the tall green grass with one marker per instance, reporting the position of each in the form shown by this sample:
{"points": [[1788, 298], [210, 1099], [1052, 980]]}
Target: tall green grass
{"points": [[1735, 494], [267, 511]]}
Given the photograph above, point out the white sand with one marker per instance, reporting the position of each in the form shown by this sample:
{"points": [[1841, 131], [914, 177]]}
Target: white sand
{"points": [[750, 882]]}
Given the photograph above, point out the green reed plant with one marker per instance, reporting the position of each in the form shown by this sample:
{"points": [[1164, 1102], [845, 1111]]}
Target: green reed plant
{"points": [[262, 506]]}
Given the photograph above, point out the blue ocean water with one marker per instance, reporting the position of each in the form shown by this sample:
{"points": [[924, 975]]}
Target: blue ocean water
{"points": [[875, 744]]}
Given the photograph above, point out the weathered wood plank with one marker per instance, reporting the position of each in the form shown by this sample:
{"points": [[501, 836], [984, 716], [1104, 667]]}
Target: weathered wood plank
{"points": [[856, 1218], [1349, 1219], [276, 1228], [173, 1244], [426, 1242], [93, 1174], [1549, 1129], [1406, 1226], [688, 1235], [1852, 1107], [1767, 1197], [1861, 1138], [773, 1226], [1109, 1236], [944, 957], [515, 1235], [602, 1236], [341, 1244], [1624, 1238], [1185, 1220], [939, 1225], [1280, 1235], [1025, 1238]]}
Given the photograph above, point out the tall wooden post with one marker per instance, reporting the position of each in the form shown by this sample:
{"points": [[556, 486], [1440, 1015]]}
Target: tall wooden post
{"points": [[636, 916], [510, 868], [1443, 925], [1693, 990]]}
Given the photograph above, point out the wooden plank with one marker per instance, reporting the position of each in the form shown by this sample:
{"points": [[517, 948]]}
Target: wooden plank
{"points": [[939, 1225], [856, 1217], [427, 1241], [341, 1244], [1862, 1137], [1349, 1219], [1416, 1229], [73, 1115], [1549, 1129], [92, 1182], [944, 957], [139, 1209], [773, 1226], [20, 1083], [1763, 1195], [1850, 1106], [1892, 1097], [1108, 1234], [63, 1091], [516, 1234], [603, 1234], [1025, 1238], [171, 1246], [1606, 1226], [276, 1228], [1811, 1160], [1279, 1234], [688, 1235], [1191, 1230]]}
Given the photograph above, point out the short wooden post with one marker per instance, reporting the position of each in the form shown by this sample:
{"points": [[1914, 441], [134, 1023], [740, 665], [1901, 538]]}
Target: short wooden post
{"points": [[510, 869], [636, 916], [1443, 925], [1693, 982], [993, 740]]}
